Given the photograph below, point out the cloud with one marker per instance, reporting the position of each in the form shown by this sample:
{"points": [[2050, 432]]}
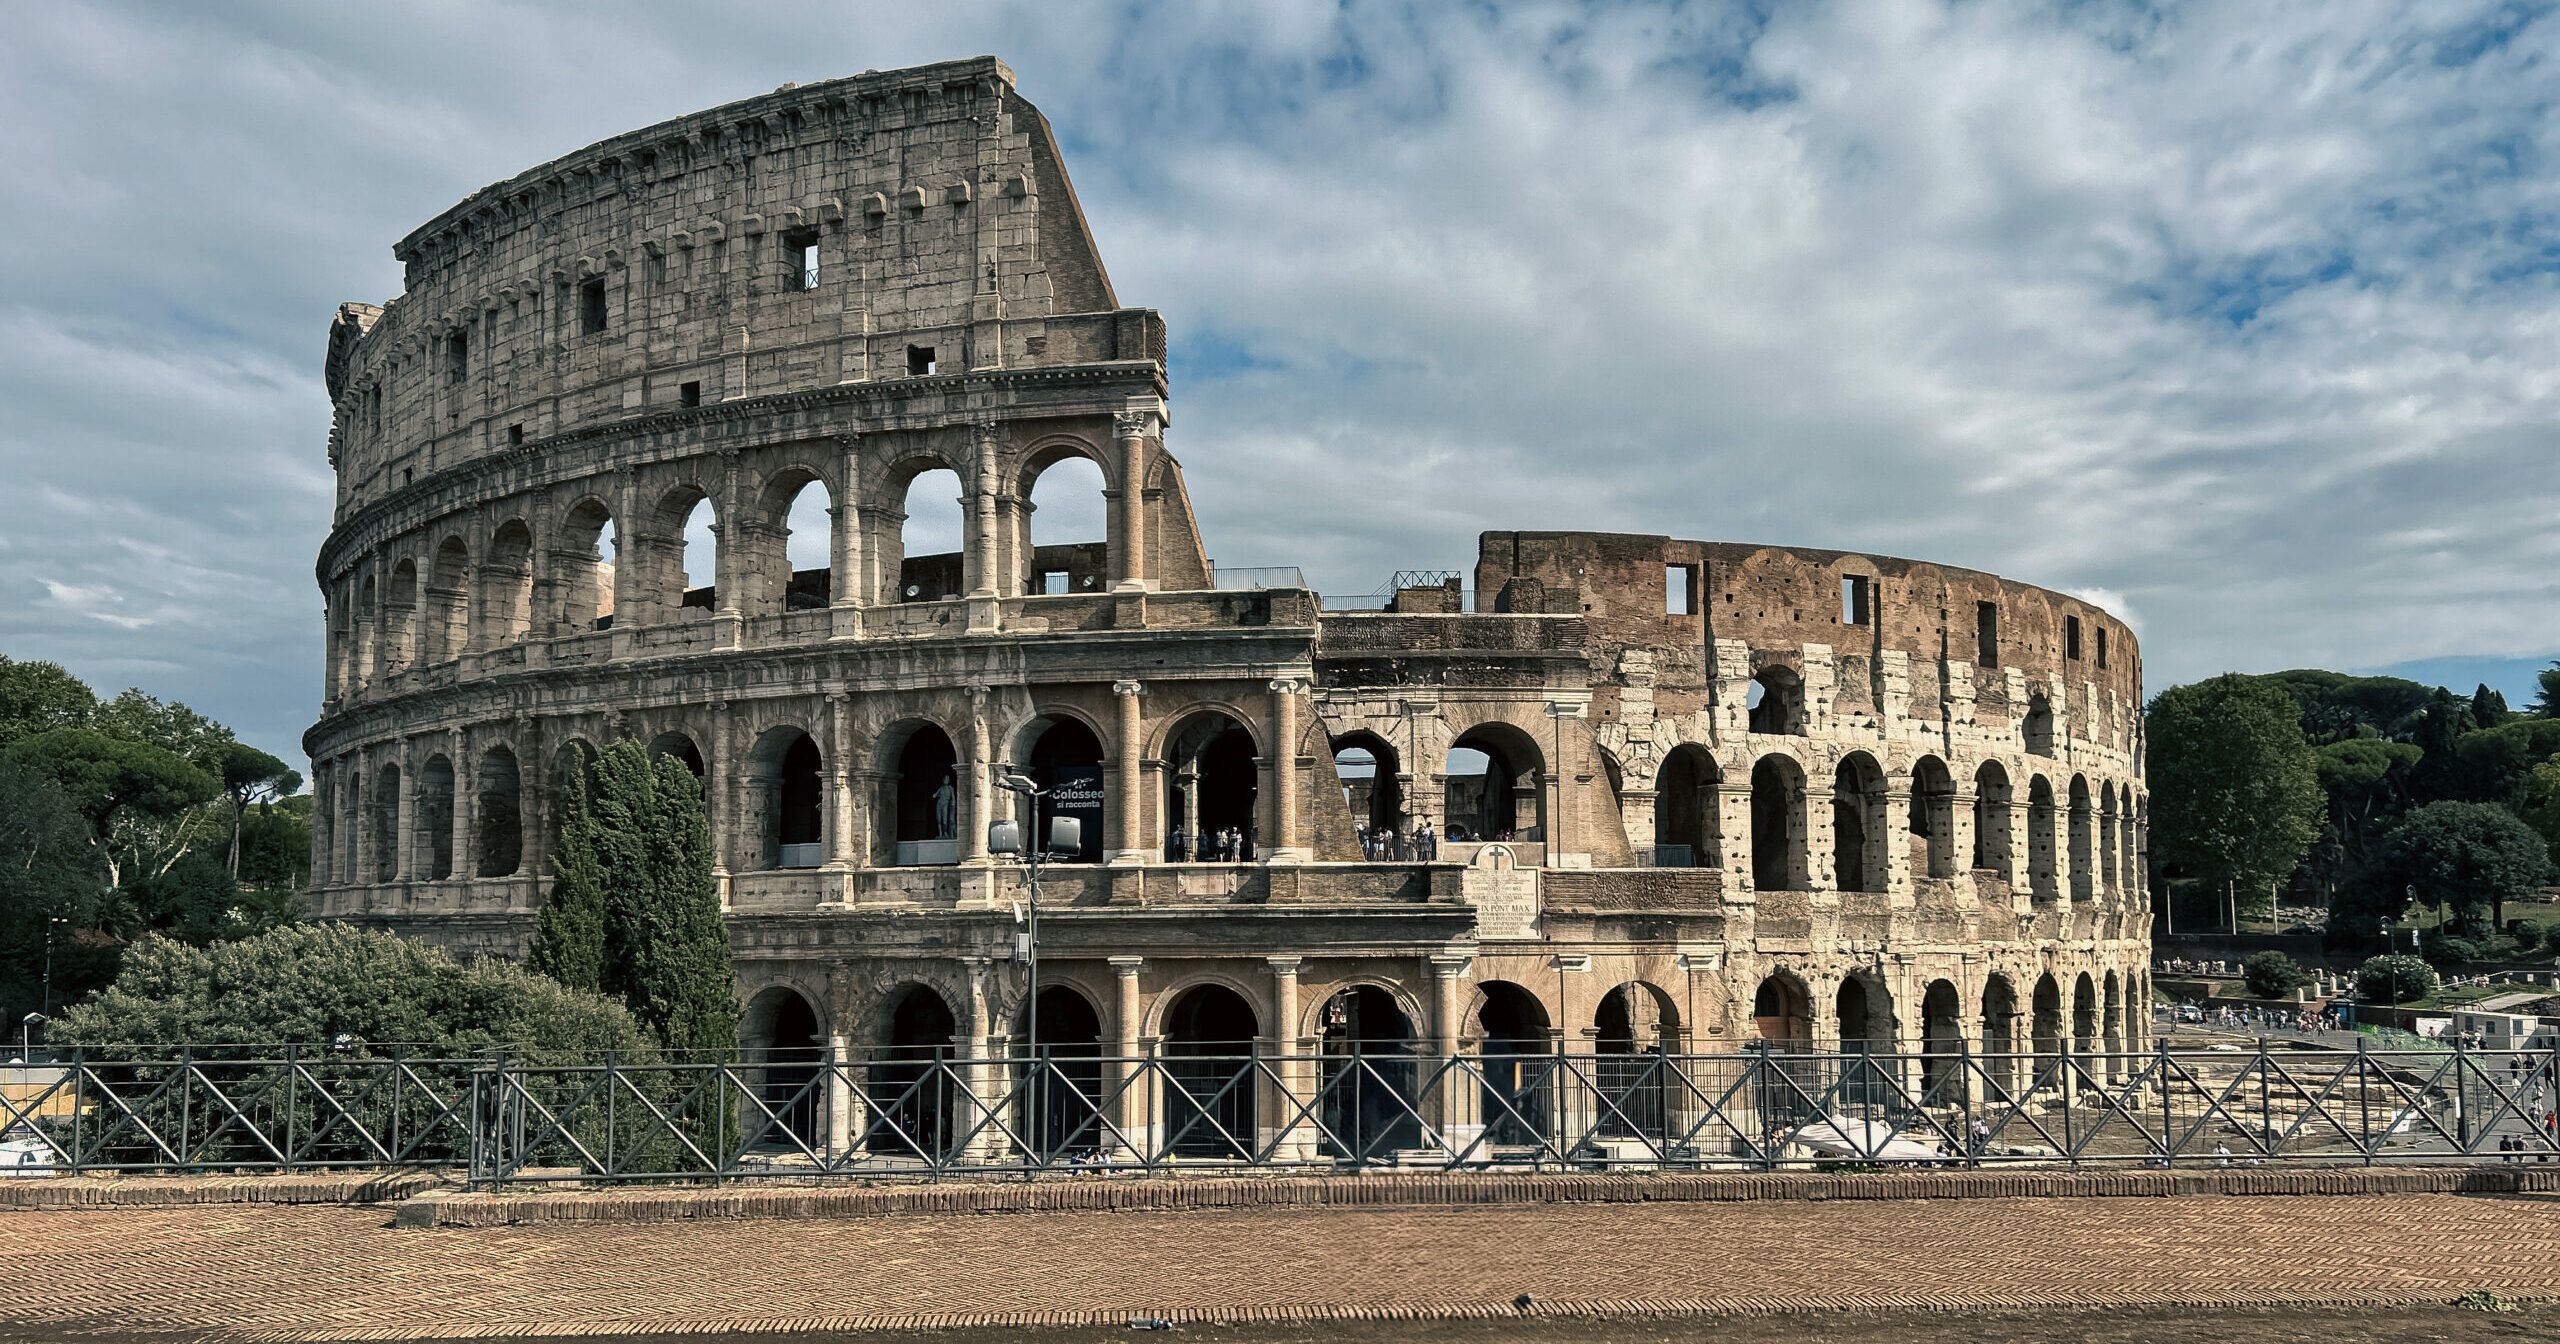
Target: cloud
{"points": [[2238, 317]]}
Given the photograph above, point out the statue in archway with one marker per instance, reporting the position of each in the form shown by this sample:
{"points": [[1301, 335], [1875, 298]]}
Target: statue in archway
{"points": [[946, 808]]}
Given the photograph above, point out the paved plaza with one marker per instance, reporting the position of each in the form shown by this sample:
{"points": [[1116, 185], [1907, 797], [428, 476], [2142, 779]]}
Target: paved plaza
{"points": [[292, 1273]]}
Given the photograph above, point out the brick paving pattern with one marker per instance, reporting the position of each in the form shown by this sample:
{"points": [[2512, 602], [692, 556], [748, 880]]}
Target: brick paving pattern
{"points": [[300, 1272]]}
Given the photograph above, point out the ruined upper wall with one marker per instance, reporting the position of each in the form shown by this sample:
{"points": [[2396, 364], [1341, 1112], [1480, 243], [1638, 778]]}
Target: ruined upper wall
{"points": [[665, 268], [1777, 598]]}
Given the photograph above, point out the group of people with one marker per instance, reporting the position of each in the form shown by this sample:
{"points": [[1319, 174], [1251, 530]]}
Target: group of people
{"points": [[1386, 844], [1230, 844]]}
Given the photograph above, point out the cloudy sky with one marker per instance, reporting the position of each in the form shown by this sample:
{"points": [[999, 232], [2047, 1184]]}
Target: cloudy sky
{"points": [[2237, 317]]}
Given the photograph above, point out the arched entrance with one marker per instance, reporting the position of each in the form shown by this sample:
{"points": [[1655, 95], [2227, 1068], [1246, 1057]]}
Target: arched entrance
{"points": [[1778, 861], [2084, 1018], [1941, 1042], [1633, 1033], [1211, 780], [1518, 1061], [501, 819], [1065, 758], [1687, 828], [1209, 1041], [780, 1036], [1864, 1011], [1060, 1088], [913, 1093], [2000, 1033], [784, 775], [1491, 787], [926, 799], [435, 819], [1371, 786], [2048, 1023], [1368, 1077], [1933, 818], [1991, 805], [2040, 816], [1858, 824], [1775, 701]]}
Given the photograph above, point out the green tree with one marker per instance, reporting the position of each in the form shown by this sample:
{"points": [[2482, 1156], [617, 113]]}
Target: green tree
{"points": [[2235, 790], [109, 780], [275, 845], [568, 934], [2488, 707], [251, 776], [2272, 975], [2465, 859], [2541, 806], [312, 983], [36, 697], [636, 887], [2394, 979], [2546, 701], [166, 724], [49, 871]]}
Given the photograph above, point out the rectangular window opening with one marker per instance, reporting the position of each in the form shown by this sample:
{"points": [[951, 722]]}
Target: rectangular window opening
{"points": [[457, 356], [1054, 581], [690, 394], [1986, 633], [1857, 599], [2102, 646], [919, 361], [1679, 582], [591, 306], [515, 435], [800, 253], [2071, 637]]}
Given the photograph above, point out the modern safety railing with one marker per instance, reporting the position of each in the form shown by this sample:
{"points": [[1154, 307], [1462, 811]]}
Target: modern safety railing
{"points": [[934, 1113]]}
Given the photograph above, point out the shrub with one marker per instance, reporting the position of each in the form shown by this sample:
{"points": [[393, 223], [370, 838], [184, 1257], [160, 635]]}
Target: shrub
{"points": [[2395, 979], [2272, 975]]}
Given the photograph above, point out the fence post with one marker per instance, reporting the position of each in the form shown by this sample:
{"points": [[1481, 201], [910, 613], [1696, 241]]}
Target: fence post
{"points": [[2364, 1100], [612, 1130], [292, 1078], [1964, 1093], [186, 1104], [79, 1112]]}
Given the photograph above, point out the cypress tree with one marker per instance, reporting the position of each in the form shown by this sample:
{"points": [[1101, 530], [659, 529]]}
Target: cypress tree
{"points": [[568, 936], [671, 964]]}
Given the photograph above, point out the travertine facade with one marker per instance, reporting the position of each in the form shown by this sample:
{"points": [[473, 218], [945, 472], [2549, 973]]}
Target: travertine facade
{"points": [[1749, 792]]}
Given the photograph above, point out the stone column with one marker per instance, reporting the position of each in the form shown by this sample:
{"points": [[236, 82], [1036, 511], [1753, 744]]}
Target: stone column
{"points": [[1130, 548], [629, 559], [840, 1098], [1556, 830], [982, 579], [1294, 1143], [1134, 1108], [844, 536], [1284, 847], [1128, 811], [1451, 1107], [1636, 809], [1189, 781], [973, 827], [1900, 878], [838, 812], [985, 1086], [466, 806]]}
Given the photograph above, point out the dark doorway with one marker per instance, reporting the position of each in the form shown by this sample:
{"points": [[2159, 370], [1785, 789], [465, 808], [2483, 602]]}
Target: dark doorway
{"points": [[1368, 1077], [1066, 760], [1633, 1068], [792, 1058], [913, 1090], [1519, 1066], [1209, 1046], [1061, 1086], [1210, 782]]}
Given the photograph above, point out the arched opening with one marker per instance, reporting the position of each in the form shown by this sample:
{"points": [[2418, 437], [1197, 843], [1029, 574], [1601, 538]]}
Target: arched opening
{"points": [[681, 747], [1778, 861], [1941, 1040], [2083, 845], [1211, 781], [1061, 1096], [926, 799], [1858, 824], [699, 580], [1209, 1036], [2039, 725], [1634, 1031], [780, 1034], [2048, 1023], [804, 580], [1933, 818], [1517, 1051], [1065, 521], [386, 824], [448, 607], [400, 619], [506, 585], [1493, 772], [2107, 836], [1373, 790], [1688, 830], [584, 568], [926, 555], [1865, 1014], [1781, 1014], [2000, 1033], [2040, 874], [501, 807], [361, 666], [785, 780], [1065, 759], [1991, 804], [1776, 701], [435, 819], [914, 1095], [1368, 1076], [2084, 1016]]}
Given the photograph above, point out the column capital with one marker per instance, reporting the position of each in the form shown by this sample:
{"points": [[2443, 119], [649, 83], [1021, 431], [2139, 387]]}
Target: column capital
{"points": [[1450, 965], [1287, 686], [1133, 424], [1127, 967], [1128, 688], [1284, 965]]}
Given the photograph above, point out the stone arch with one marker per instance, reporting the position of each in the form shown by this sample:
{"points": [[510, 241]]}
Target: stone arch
{"points": [[2083, 847], [434, 859], [2084, 1015], [679, 743], [778, 581], [1514, 1032], [445, 615], [786, 773], [1991, 807], [1782, 1012], [399, 618], [1775, 701], [582, 573], [1941, 1039], [1062, 752], [1933, 818], [782, 1035], [1212, 783], [2106, 857], [1502, 798], [2047, 1023], [912, 1087], [2037, 726], [1058, 1088], [500, 814], [2111, 1025], [1779, 861], [912, 565], [386, 835], [1688, 811], [1369, 767], [1999, 1015], [920, 794], [1634, 1030], [1209, 1029], [667, 557], [1081, 561], [506, 585], [1858, 834], [2040, 818], [1863, 1008], [1368, 1042]]}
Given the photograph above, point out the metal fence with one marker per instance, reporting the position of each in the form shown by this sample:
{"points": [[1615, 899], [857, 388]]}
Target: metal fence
{"points": [[924, 1113]]}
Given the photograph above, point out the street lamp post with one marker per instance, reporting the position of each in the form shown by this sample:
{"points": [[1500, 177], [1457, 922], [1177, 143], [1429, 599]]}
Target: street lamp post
{"points": [[49, 924], [1066, 836]]}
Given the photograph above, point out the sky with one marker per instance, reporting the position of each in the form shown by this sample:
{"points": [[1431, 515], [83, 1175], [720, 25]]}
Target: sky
{"points": [[2238, 319]]}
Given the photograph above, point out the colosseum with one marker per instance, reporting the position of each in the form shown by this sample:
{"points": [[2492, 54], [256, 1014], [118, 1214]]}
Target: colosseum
{"points": [[725, 436]]}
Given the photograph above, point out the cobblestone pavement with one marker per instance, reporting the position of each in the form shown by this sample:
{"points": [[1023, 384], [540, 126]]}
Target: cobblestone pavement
{"points": [[278, 1273]]}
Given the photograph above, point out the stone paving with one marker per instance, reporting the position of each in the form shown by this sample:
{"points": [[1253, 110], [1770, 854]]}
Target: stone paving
{"points": [[301, 1273]]}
